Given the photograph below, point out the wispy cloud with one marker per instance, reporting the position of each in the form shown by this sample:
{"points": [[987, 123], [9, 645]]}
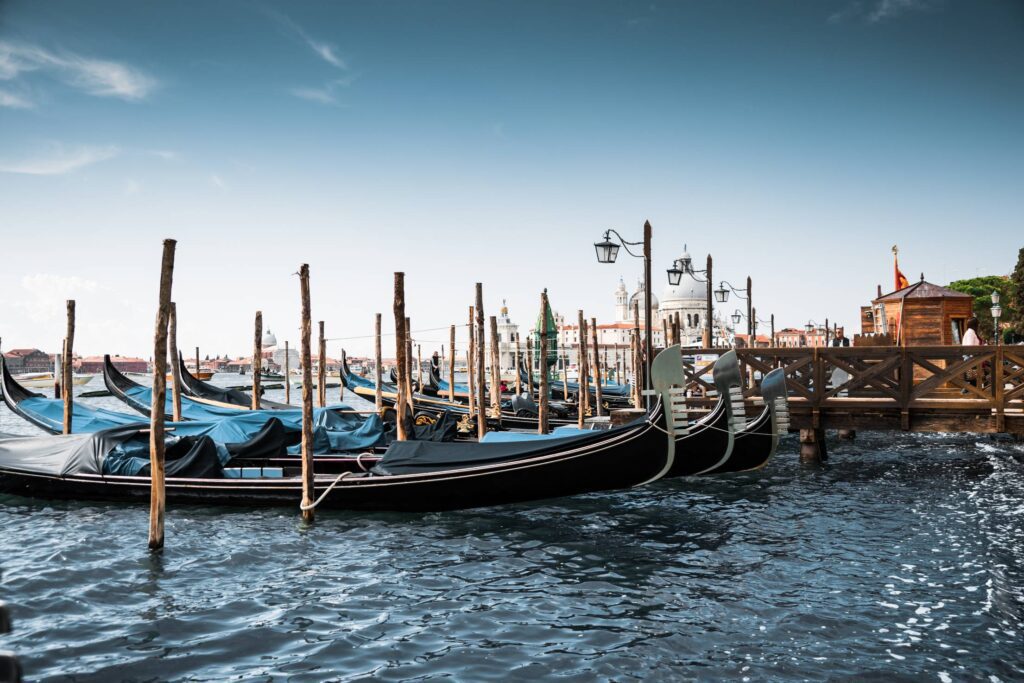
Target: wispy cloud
{"points": [[58, 160], [321, 95], [880, 11], [15, 101], [98, 77], [165, 154], [326, 51], [217, 181]]}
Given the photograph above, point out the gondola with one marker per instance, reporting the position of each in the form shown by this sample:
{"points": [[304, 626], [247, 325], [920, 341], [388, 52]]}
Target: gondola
{"points": [[412, 476], [615, 395], [224, 397], [518, 412], [332, 432], [756, 444]]}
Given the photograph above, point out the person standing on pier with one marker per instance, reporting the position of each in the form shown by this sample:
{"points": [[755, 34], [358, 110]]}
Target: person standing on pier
{"points": [[840, 338], [971, 338]]}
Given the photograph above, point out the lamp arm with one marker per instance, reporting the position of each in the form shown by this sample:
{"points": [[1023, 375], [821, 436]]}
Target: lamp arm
{"points": [[626, 244]]}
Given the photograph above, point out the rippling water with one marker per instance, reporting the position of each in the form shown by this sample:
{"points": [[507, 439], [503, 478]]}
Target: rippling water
{"points": [[902, 558]]}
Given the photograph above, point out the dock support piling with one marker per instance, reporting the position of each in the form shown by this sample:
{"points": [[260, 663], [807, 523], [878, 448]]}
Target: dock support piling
{"points": [[519, 380], [470, 370], [306, 360], [583, 398], [157, 499], [812, 446]]}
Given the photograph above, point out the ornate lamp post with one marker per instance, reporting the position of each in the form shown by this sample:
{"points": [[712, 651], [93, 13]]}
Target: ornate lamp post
{"points": [[722, 295], [607, 252], [997, 312]]}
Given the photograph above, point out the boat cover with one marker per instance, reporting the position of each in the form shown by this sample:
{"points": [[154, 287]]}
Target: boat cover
{"points": [[88, 453], [509, 437], [415, 457]]}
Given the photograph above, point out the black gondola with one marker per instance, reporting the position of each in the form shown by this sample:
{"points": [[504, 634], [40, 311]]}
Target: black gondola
{"points": [[197, 388], [412, 476]]}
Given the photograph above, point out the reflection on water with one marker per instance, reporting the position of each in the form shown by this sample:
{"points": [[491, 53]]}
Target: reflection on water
{"points": [[901, 558]]}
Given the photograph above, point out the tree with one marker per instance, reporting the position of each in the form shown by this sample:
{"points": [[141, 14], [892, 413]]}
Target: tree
{"points": [[1016, 298], [981, 289]]}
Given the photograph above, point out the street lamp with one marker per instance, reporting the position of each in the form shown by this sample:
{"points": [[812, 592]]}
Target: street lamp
{"points": [[736, 317], [675, 273], [607, 252], [722, 295], [997, 312]]}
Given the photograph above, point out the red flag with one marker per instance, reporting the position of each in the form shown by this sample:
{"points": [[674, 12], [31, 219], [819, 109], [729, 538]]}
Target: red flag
{"points": [[901, 279]]}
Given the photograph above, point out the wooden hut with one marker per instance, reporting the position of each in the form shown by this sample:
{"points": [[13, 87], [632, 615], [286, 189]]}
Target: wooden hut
{"points": [[922, 314]]}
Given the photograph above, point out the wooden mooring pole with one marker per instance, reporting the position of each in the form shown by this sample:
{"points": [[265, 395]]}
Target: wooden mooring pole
{"points": [[408, 365], [481, 340], [378, 370], [157, 494], [321, 369], [529, 365], [470, 372], [287, 374], [542, 421], [172, 342], [812, 446], [597, 367], [197, 361], [495, 370], [401, 348], [306, 361], [518, 380], [68, 366], [257, 359], [583, 382], [451, 364]]}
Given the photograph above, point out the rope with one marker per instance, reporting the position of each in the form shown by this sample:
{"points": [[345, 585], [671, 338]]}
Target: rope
{"points": [[312, 506]]}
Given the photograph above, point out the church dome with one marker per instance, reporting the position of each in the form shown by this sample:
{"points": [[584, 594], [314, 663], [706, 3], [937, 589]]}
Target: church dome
{"points": [[269, 339], [638, 297]]}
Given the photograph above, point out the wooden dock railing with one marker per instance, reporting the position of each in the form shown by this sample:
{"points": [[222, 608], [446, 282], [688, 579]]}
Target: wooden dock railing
{"points": [[918, 388]]}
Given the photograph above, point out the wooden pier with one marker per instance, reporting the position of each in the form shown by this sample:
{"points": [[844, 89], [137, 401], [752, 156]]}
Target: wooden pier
{"points": [[915, 388]]}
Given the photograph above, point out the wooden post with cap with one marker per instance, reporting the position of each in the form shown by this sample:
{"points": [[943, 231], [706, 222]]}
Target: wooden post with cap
{"points": [[519, 379], [529, 365], [157, 493], [306, 361], [583, 382]]}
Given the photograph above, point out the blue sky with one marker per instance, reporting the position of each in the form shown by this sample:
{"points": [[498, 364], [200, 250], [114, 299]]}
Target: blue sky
{"points": [[492, 142]]}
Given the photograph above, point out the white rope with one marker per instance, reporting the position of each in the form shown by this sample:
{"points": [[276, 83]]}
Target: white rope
{"points": [[312, 506]]}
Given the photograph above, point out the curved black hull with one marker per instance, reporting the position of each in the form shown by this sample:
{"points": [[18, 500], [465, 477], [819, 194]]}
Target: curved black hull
{"points": [[197, 388], [753, 446], [703, 449], [615, 460]]}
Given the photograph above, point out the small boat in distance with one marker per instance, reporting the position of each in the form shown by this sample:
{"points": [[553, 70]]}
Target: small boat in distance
{"points": [[38, 380]]}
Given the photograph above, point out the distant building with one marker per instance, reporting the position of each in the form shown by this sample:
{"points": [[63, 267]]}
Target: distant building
{"points": [[28, 360], [94, 364], [506, 338]]}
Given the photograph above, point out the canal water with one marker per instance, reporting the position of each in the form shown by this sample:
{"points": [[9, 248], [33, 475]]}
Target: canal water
{"points": [[902, 558]]}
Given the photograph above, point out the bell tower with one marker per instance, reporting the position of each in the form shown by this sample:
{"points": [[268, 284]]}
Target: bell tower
{"points": [[621, 302]]}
